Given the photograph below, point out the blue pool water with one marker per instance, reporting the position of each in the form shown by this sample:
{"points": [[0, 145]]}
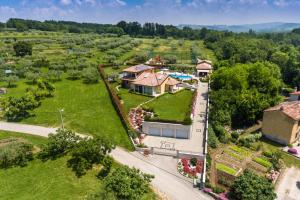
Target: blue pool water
{"points": [[181, 77]]}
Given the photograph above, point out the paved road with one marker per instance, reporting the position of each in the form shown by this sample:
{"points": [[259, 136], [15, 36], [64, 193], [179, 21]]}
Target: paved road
{"points": [[289, 185], [173, 186]]}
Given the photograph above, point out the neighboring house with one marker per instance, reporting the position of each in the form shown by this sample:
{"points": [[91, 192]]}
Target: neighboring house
{"points": [[145, 81], [8, 72], [3, 91], [155, 61], [281, 123], [204, 68], [131, 73], [294, 96]]}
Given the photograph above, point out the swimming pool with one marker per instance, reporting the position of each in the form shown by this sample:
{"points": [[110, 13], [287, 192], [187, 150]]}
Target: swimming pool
{"points": [[183, 77]]}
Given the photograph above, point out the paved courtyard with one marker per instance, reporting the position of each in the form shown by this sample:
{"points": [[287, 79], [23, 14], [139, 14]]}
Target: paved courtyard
{"points": [[289, 185], [196, 142]]}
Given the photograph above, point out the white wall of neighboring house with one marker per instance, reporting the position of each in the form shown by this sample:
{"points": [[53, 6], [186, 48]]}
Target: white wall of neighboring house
{"points": [[294, 97]]}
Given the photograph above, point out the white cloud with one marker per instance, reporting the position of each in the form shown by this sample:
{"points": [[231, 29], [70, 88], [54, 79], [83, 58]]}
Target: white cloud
{"points": [[281, 3], [121, 3], [115, 3], [7, 12], [66, 2]]}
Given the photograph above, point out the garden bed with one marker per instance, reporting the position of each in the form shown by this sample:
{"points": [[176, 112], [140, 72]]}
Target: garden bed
{"points": [[262, 161], [224, 168]]}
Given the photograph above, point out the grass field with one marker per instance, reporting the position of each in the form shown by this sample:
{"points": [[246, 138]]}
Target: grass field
{"points": [[131, 100], [44, 180], [270, 146], [87, 109], [172, 106], [47, 180]]}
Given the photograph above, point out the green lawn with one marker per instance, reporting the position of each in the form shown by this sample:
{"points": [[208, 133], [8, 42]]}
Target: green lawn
{"points": [[87, 109], [226, 169], [44, 180], [48, 180], [288, 159], [172, 106], [131, 100]]}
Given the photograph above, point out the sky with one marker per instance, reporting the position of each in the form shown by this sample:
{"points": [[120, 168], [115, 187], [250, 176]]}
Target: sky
{"points": [[206, 12]]}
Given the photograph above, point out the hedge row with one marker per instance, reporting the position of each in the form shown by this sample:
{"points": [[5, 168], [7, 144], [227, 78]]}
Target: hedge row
{"points": [[117, 105]]}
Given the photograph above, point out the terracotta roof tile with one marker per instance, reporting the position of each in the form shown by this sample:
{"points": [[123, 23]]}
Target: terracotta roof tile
{"points": [[150, 79], [204, 65], [138, 68], [172, 81], [291, 109], [298, 92]]}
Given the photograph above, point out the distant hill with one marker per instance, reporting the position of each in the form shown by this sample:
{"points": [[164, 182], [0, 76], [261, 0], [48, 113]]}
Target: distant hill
{"points": [[262, 27]]}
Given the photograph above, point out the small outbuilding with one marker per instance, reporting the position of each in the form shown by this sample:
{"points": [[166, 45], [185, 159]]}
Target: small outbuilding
{"points": [[294, 96], [204, 68], [281, 123], [3, 91]]}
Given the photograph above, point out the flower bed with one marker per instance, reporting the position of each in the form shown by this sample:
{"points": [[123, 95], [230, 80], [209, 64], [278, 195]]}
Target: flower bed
{"points": [[190, 169]]}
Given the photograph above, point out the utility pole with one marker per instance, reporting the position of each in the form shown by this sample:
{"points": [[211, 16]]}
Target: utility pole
{"points": [[61, 118]]}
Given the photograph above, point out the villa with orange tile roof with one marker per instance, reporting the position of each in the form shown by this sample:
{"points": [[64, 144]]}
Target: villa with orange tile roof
{"points": [[142, 79], [281, 123]]}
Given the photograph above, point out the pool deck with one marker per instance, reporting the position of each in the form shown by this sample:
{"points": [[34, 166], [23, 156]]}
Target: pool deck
{"points": [[196, 142]]}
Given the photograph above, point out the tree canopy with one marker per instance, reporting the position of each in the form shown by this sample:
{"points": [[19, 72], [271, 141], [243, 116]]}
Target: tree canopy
{"points": [[127, 183], [250, 186], [241, 93], [23, 48]]}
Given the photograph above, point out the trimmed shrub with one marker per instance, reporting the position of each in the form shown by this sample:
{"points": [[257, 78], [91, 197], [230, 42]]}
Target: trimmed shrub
{"points": [[293, 151], [218, 190], [15, 154], [212, 138], [193, 161]]}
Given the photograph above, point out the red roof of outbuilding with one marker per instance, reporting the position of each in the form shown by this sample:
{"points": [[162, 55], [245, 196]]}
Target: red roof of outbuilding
{"points": [[291, 109], [298, 92]]}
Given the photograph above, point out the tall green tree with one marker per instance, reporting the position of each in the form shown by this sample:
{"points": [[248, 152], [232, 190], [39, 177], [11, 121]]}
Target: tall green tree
{"points": [[89, 152], [241, 93], [250, 186], [127, 183], [23, 48]]}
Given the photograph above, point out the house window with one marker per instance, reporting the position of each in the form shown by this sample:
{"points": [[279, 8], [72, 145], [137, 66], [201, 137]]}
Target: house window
{"points": [[148, 90]]}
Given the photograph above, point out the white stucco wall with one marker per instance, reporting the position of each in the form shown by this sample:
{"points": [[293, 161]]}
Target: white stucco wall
{"points": [[167, 127]]}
